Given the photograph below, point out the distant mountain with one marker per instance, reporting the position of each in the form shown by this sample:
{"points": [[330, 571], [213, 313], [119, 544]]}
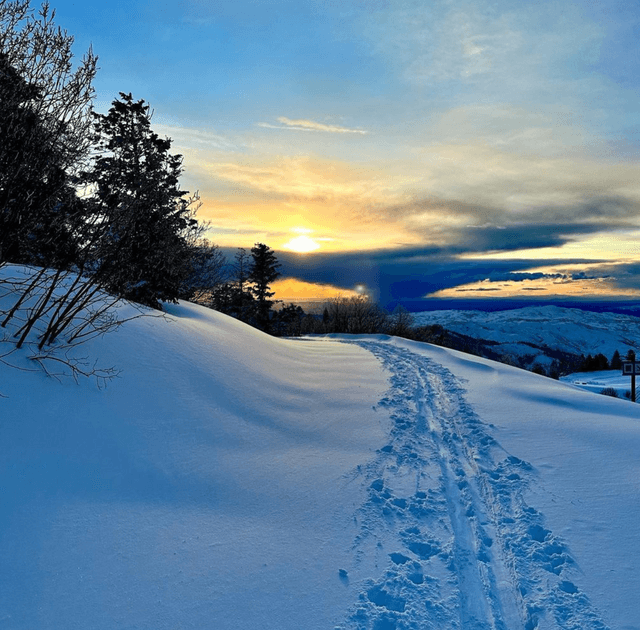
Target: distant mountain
{"points": [[541, 334], [625, 307]]}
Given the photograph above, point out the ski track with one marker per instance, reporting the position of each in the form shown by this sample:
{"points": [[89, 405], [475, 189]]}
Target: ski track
{"points": [[455, 545]]}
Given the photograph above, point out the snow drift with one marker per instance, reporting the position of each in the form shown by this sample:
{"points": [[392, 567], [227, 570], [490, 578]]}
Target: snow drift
{"points": [[231, 480]]}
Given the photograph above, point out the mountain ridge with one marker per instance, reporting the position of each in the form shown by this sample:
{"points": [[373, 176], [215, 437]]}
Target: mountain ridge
{"points": [[530, 335]]}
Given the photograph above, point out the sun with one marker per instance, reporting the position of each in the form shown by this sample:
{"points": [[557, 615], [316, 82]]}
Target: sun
{"points": [[301, 244]]}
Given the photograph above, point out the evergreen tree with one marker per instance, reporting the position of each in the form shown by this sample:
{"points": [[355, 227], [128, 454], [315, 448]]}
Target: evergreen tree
{"points": [[616, 361], [145, 221], [288, 321], [602, 363], [264, 270], [587, 364]]}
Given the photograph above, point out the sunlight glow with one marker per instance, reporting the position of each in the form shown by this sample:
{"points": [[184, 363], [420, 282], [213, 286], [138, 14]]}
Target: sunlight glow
{"points": [[301, 244], [293, 290]]}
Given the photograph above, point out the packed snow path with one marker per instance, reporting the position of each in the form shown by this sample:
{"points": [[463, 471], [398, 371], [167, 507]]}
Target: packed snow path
{"points": [[453, 542]]}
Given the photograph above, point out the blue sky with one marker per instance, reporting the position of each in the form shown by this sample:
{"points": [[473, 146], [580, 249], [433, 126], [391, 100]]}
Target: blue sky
{"points": [[448, 142]]}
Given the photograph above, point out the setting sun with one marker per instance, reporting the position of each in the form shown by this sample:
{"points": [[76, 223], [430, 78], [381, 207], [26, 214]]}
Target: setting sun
{"points": [[301, 244]]}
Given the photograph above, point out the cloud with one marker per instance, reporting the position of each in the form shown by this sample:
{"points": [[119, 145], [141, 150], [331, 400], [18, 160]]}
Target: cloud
{"points": [[514, 276], [518, 237], [497, 48], [481, 290], [541, 61], [624, 276], [476, 227], [189, 137], [569, 279], [301, 177], [475, 196], [310, 125], [409, 274]]}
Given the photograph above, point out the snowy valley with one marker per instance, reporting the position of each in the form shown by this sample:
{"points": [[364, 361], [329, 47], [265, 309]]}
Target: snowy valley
{"points": [[538, 336], [231, 480]]}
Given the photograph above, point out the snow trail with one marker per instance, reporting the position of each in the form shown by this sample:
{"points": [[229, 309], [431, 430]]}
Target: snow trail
{"points": [[447, 524]]}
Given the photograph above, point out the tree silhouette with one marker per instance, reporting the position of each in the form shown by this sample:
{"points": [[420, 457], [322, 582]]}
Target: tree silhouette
{"points": [[264, 270], [44, 122], [616, 361], [146, 223]]}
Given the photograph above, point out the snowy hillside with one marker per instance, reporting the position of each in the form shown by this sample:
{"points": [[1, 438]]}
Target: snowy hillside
{"points": [[228, 480], [601, 380], [534, 330]]}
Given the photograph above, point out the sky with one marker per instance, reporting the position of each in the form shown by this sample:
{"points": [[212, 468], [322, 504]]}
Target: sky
{"points": [[449, 148]]}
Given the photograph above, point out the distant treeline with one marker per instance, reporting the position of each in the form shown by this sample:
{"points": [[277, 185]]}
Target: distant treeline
{"points": [[600, 362], [359, 315]]}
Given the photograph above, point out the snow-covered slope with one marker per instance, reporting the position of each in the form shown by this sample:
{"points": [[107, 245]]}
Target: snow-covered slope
{"points": [[197, 491], [229, 480], [567, 329], [601, 380]]}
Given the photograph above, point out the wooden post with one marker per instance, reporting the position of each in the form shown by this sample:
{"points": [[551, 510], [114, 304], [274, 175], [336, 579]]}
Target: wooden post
{"points": [[631, 367]]}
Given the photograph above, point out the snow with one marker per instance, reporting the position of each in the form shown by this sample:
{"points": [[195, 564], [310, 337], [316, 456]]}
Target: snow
{"points": [[232, 480], [189, 485], [568, 329], [599, 380]]}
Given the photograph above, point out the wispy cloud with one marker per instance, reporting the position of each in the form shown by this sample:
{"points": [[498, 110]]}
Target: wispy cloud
{"points": [[195, 138], [482, 41], [310, 125], [306, 178]]}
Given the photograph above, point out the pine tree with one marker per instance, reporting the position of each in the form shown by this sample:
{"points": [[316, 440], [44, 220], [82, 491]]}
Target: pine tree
{"points": [[601, 362], [616, 361], [146, 222], [264, 270]]}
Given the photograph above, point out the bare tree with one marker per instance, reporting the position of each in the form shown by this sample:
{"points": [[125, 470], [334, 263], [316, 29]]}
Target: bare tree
{"points": [[209, 270], [401, 322], [51, 312], [356, 315], [45, 119]]}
